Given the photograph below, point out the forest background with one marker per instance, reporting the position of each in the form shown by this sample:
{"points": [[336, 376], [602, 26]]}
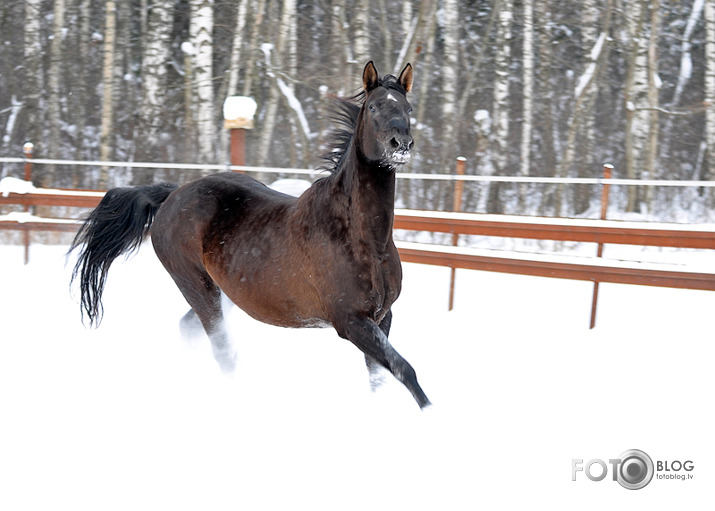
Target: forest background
{"points": [[519, 87]]}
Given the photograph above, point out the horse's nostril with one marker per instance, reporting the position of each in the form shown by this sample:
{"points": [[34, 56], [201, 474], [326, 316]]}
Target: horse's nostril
{"points": [[412, 143], [394, 143]]}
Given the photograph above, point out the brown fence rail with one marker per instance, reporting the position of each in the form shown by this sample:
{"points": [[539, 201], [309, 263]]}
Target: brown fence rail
{"points": [[558, 229], [591, 269], [594, 269]]}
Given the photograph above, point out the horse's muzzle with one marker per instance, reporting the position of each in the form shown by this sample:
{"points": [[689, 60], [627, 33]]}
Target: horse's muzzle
{"points": [[401, 146]]}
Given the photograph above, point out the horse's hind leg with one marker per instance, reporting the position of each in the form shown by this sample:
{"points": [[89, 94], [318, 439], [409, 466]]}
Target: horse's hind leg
{"points": [[190, 325], [204, 296], [372, 341]]}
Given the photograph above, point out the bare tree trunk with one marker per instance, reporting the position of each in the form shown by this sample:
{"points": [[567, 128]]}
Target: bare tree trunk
{"points": [[685, 71], [387, 42], [651, 157], [500, 106], [81, 90], [526, 123], [201, 33], [414, 44], [361, 37], [34, 82], [710, 85], [584, 95], [55, 97], [425, 79], [105, 135], [189, 52], [155, 58], [127, 91], [259, 7], [235, 63], [450, 69], [686, 62], [470, 86], [636, 98], [342, 53], [545, 110], [266, 137], [591, 30]]}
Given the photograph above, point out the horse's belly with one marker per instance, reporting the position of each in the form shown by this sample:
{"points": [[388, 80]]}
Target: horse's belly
{"points": [[281, 315], [277, 305]]}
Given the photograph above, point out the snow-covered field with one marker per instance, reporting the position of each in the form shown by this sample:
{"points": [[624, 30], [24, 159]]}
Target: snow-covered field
{"points": [[129, 416]]}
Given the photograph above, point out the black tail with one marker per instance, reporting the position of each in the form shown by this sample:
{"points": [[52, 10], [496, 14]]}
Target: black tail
{"points": [[116, 226]]}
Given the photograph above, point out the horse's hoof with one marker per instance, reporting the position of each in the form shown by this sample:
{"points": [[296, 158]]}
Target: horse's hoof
{"points": [[226, 361]]}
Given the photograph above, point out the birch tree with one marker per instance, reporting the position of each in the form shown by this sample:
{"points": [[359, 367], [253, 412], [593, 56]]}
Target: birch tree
{"points": [[127, 93], [500, 106], [342, 53], [108, 89], [34, 78], [595, 23], [258, 7], [584, 95], [636, 97], [273, 60], [685, 70], [236, 47], [651, 157], [11, 81], [418, 36], [387, 58], [709, 16], [201, 33], [361, 37], [450, 70], [54, 78], [543, 88], [155, 57], [80, 90], [526, 124]]}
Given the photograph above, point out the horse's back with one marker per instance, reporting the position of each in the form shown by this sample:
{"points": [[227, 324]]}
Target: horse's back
{"points": [[219, 199]]}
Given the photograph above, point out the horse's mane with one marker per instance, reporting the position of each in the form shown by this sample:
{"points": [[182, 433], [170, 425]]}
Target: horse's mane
{"points": [[345, 112]]}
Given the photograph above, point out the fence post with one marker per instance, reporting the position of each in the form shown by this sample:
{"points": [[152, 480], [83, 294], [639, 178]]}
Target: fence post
{"points": [[456, 206], [27, 149], [238, 113], [607, 173], [238, 146]]}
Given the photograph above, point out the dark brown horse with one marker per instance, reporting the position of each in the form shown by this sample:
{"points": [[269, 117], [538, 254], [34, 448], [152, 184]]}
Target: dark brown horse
{"points": [[326, 258]]}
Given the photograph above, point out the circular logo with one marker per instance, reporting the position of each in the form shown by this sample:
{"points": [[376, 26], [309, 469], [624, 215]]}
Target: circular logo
{"points": [[636, 469]]}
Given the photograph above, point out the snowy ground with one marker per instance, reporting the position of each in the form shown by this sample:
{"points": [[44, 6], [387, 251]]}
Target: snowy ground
{"points": [[131, 417]]}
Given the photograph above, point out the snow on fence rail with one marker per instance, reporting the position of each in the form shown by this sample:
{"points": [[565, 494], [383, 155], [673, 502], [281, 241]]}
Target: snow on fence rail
{"points": [[399, 175]]}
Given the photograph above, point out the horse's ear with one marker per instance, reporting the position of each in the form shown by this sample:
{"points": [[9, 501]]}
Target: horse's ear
{"points": [[369, 76], [405, 78]]}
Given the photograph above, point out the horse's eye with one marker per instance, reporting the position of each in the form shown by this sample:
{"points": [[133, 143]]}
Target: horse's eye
{"points": [[371, 108]]}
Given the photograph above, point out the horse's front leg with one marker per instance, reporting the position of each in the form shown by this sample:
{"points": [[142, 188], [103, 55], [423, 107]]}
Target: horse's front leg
{"points": [[375, 369], [372, 341]]}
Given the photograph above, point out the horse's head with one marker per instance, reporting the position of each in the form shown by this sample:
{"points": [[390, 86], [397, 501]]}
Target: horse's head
{"points": [[383, 131]]}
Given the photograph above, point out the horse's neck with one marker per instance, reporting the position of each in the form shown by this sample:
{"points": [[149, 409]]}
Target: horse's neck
{"points": [[372, 201]]}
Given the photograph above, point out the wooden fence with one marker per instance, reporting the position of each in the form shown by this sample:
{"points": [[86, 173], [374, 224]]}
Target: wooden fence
{"points": [[593, 269]]}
